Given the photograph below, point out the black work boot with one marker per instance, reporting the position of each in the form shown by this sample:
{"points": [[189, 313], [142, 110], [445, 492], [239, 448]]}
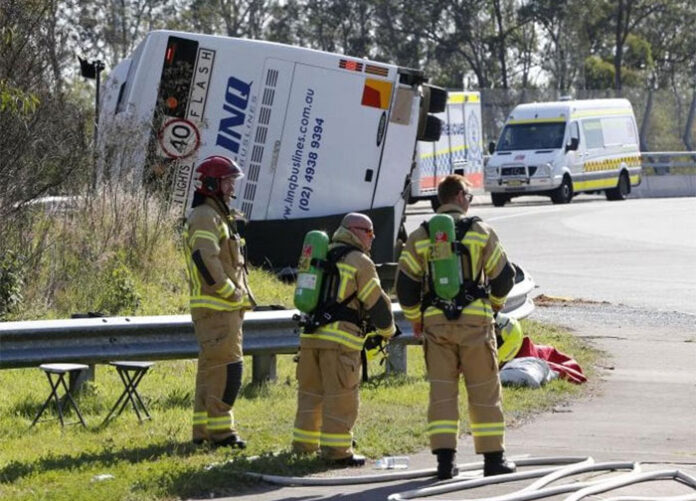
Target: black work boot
{"points": [[446, 468], [494, 463], [354, 460], [232, 441]]}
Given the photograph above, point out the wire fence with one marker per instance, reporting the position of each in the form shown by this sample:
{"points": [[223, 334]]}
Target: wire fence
{"points": [[666, 118]]}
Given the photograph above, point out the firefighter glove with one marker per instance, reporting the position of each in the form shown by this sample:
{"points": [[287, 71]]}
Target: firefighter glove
{"points": [[372, 342]]}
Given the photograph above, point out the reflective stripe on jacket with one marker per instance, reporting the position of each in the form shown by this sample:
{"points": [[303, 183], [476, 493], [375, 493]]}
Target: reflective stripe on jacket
{"points": [[214, 259], [488, 260], [357, 274]]}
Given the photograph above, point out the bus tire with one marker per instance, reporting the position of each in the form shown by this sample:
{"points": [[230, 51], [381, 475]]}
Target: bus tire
{"points": [[564, 193], [499, 199], [622, 189]]}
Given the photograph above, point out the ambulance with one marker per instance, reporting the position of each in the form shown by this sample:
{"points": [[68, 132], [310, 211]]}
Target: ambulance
{"points": [[563, 148], [316, 134], [459, 150]]}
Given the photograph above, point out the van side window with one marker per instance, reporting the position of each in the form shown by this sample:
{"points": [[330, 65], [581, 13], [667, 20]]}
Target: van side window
{"points": [[592, 129], [618, 131]]}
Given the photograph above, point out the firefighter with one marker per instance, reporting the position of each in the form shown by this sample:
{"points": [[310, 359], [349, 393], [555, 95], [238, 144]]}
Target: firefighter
{"points": [[219, 296], [458, 334], [328, 370]]}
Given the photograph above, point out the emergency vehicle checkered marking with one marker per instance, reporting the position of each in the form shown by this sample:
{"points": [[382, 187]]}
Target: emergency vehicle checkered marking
{"points": [[377, 93], [613, 163]]}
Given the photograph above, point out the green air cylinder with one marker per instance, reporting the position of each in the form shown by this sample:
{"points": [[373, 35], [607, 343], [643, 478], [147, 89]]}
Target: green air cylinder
{"points": [[444, 261], [309, 276]]}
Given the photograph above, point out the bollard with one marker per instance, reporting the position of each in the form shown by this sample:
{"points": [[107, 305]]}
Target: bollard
{"points": [[397, 362], [76, 381], [263, 368]]}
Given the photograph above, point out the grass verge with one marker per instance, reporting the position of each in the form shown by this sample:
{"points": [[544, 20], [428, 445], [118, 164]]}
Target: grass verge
{"points": [[155, 460]]}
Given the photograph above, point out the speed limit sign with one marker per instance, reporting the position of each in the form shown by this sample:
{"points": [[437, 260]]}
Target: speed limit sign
{"points": [[179, 138]]}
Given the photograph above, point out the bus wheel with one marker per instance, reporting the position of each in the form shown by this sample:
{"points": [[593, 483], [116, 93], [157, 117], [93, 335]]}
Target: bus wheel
{"points": [[499, 199], [564, 193], [623, 188]]}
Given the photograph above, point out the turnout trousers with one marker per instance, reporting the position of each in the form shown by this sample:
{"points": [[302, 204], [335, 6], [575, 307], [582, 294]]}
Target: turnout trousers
{"points": [[219, 336], [450, 351], [327, 401]]}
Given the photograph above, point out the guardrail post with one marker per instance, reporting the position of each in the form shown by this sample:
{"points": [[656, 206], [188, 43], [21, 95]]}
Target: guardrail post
{"points": [[645, 125], [397, 363], [690, 122], [76, 381], [263, 368]]}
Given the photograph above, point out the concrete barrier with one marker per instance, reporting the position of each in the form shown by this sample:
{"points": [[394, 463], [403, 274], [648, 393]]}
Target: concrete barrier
{"points": [[667, 174]]}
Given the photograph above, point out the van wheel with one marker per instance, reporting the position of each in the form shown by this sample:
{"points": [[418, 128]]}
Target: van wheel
{"points": [[564, 193], [434, 203], [623, 188], [499, 199]]}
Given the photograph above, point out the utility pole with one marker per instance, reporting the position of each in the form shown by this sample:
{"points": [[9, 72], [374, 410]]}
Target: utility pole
{"points": [[92, 70]]}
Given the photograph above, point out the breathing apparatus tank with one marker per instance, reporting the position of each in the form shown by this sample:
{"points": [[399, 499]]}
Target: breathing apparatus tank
{"points": [[445, 263], [309, 270]]}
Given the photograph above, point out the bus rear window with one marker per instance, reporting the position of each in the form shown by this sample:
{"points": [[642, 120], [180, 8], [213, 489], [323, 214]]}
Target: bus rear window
{"points": [[177, 74]]}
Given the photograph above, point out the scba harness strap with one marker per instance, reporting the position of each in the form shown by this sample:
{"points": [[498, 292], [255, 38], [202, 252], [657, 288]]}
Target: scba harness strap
{"points": [[470, 290], [330, 310]]}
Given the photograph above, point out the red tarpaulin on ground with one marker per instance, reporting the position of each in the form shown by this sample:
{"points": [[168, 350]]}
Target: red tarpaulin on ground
{"points": [[566, 367]]}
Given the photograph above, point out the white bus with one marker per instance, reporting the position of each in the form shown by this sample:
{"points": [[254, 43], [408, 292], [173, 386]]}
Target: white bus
{"points": [[316, 134], [563, 148], [458, 151]]}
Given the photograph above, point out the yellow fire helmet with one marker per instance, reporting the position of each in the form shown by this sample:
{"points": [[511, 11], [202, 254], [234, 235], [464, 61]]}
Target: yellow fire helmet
{"points": [[509, 335]]}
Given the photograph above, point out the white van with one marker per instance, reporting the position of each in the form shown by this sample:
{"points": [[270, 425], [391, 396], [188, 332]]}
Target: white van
{"points": [[317, 134], [459, 150], [563, 148]]}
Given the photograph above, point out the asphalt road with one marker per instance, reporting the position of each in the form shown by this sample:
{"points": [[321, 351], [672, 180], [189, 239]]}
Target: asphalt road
{"points": [[638, 252], [636, 260]]}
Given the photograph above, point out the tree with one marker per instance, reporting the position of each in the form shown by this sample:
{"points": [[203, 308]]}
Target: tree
{"points": [[42, 144], [627, 17], [563, 40]]}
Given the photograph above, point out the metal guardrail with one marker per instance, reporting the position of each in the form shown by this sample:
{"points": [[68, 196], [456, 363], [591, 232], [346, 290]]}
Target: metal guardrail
{"points": [[667, 174], [100, 340], [662, 163]]}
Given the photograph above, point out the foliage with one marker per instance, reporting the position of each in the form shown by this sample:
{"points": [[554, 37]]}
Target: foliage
{"points": [[11, 283], [14, 100], [113, 251], [599, 74], [119, 295], [155, 459], [566, 46]]}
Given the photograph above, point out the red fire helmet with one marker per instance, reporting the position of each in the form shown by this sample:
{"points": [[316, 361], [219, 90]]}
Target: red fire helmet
{"points": [[212, 170]]}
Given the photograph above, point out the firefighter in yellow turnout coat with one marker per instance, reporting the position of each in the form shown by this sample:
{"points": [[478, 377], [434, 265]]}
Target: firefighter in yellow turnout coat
{"points": [[465, 344], [219, 296], [329, 366]]}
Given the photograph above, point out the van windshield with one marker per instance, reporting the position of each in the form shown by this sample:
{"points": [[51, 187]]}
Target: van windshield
{"points": [[532, 136]]}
